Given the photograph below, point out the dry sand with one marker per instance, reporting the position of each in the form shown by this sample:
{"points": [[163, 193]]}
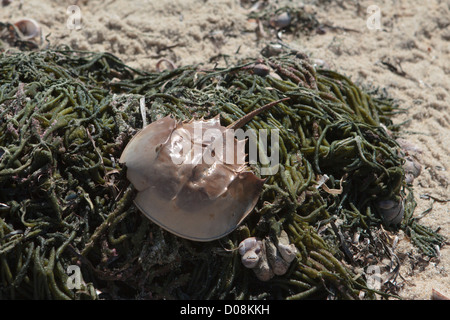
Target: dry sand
{"points": [[414, 37]]}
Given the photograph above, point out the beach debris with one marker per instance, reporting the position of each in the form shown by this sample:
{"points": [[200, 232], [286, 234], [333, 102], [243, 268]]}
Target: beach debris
{"points": [[408, 147], [183, 183], [6, 2], [287, 250], [169, 65], [281, 20], [411, 155], [29, 28], [391, 211], [67, 116], [323, 179], [272, 49], [250, 250], [289, 19], [267, 258], [261, 69], [436, 295], [320, 63], [412, 169]]}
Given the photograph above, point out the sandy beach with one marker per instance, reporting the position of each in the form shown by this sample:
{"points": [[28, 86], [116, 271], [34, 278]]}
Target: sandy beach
{"points": [[402, 46]]}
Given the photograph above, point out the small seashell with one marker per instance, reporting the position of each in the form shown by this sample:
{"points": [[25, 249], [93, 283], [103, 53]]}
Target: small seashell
{"points": [[6, 2], [251, 258], [391, 211], [408, 147], [247, 244], [436, 295], [277, 263], [29, 28], [260, 33], [257, 6], [412, 169], [280, 21], [271, 50], [250, 250], [168, 63], [409, 178], [287, 250], [263, 271], [261, 69], [266, 258], [319, 63]]}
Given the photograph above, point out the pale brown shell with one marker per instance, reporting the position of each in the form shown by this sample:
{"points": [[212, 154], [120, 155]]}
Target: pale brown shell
{"points": [[277, 263], [412, 169], [263, 270], [29, 28], [266, 257], [281, 20], [287, 250], [250, 250], [192, 199]]}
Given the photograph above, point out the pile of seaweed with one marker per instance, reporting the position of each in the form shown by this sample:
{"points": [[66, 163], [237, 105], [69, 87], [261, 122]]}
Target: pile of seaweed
{"points": [[66, 205]]}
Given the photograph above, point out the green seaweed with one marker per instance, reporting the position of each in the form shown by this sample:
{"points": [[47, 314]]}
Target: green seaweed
{"points": [[67, 115]]}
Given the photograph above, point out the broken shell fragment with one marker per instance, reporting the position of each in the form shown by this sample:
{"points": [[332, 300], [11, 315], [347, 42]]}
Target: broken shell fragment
{"points": [[182, 192], [391, 211], [251, 258], [250, 250], [29, 28], [288, 251], [6, 2], [408, 147], [254, 257], [412, 169], [280, 21], [267, 258], [262, 270], [247, 244], [261, 69], [271, 50], [276, 261]]}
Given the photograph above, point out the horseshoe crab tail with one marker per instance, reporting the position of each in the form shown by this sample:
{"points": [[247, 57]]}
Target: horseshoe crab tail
{"points": [[242, 121]]}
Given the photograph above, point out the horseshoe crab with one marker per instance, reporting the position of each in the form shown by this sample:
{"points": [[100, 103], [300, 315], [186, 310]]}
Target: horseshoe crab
{"points": [[185, 195]]}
